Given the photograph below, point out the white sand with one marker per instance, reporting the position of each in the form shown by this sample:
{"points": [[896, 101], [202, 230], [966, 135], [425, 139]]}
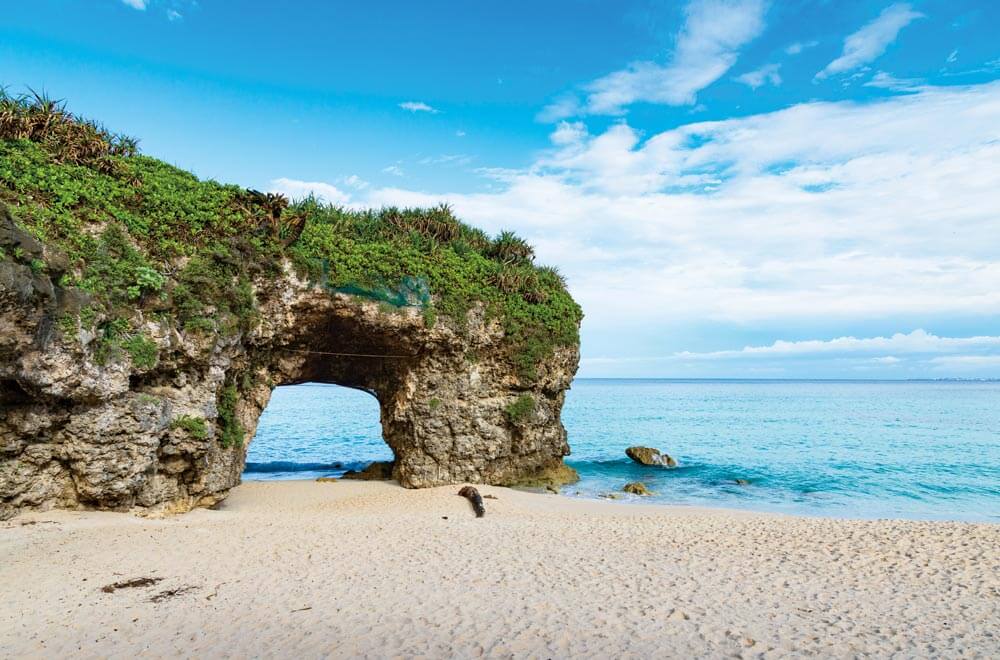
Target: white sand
{"points": [[305, 569]]}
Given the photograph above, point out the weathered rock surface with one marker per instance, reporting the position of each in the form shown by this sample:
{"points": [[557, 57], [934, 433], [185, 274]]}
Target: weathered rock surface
{"points": [[75, 433], [377, 471], [650, 456], [636, 488]]}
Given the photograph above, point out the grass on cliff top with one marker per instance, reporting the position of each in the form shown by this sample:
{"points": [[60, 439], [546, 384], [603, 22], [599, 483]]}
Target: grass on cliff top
{"points": [[143, 237]]}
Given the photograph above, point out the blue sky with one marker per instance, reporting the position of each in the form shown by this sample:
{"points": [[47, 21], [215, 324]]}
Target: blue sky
{"points": [[734, 188]]}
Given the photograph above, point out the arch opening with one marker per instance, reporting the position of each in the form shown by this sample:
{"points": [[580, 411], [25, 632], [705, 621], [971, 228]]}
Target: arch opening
{"points": [[314, 429]]}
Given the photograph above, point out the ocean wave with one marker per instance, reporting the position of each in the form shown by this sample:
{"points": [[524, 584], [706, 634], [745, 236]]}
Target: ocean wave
{"points": [[291, 466]]}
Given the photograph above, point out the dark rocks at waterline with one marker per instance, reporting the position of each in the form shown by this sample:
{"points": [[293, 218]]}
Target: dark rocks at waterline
{"points": [[741, 482], [377, 471], [637, 488], [650, 456]]}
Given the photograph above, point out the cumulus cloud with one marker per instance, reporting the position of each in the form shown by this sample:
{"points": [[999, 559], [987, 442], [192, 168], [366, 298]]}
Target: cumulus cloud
{"points": [[707, 46], [766, 75], [871, 41], [417, 106], [298, 189]]}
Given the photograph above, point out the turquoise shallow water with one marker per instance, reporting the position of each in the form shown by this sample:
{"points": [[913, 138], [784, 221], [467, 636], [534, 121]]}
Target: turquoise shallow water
{"points": [[926, 450]]}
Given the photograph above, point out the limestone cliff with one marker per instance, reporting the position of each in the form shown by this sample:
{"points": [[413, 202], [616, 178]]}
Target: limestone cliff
{"points": [[146, 316]]}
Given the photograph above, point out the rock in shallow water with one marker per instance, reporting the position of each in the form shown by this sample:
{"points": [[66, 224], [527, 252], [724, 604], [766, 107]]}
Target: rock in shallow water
{"points": [[650, 456], [377, 471], [637, 488]]}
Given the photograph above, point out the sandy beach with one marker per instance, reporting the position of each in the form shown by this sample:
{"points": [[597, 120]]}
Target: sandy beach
{"points": [[307, 569]]}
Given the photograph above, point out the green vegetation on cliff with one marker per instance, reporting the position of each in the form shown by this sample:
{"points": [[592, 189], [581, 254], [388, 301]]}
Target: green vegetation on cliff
{"points": [[139, 235]]}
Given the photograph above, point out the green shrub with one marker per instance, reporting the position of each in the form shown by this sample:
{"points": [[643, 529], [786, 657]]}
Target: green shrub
{"points": [[143, 350], [231, 431], [521, 409], [195, 426]]}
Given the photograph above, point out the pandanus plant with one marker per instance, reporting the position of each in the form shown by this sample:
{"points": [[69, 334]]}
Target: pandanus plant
{"points": [[509, 248], [69, 139], [270, 210]]}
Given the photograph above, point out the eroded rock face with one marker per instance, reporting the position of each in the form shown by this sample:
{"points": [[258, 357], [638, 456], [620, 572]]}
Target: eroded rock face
{"points": [[172, 436]]}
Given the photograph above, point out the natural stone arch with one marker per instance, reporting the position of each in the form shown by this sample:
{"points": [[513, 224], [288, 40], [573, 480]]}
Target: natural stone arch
{"points": [[443, 394], [173, 435]]}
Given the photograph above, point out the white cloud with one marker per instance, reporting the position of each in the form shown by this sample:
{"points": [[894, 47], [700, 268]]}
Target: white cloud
{"points": [[918, 341], [173, 15], [871, 41], [707, 46], [563, 107], [884, 80], [446, 159], [799, 46], [459, 133], [356, 182], [766, 75], [567, 133], [888, 360], [952, 57], [137, 4], [299, 189], [417, 106], [394, 170]]}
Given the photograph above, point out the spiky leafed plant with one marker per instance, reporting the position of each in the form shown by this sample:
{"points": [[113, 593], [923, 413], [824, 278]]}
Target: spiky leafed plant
{"points": [[509, 248], [272, 215], [438, 224], [37, 117], [520, 280], [551, 276]]}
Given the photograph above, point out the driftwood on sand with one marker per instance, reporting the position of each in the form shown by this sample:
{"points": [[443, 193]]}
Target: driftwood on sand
{"points": [[473, 496]]}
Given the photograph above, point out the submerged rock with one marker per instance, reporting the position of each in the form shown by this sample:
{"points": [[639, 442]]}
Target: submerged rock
{"points": [[610, 496], [377, 471], [650, 456], [741, 482], [637, 488]]}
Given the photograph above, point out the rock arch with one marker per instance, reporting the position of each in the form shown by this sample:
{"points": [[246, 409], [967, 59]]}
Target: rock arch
{"points": [[173, 435]]}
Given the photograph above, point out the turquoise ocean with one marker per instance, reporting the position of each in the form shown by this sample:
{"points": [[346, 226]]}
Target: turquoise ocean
{"points": [[856, 449]]}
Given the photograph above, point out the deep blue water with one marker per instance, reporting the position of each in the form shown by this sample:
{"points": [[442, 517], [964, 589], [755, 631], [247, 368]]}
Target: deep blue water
{"points": [[836, 448]]}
